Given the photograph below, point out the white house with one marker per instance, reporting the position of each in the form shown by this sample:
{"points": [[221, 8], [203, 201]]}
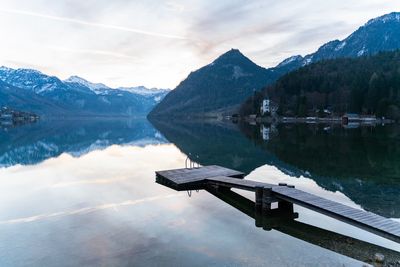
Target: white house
{"points": [[266, 106]]}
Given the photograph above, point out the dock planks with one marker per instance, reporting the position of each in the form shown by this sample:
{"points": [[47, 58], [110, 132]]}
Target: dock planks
{"points": [[200, 178], [366, 220], [237, 183], [184, 179]]}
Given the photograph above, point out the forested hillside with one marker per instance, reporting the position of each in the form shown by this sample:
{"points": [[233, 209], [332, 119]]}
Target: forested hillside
{"points": [[366, 85]]}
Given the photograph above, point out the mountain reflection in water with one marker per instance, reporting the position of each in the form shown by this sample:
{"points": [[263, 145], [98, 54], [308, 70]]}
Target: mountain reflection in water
{"points": [[361, 163], [34, 143], [62, 210]]}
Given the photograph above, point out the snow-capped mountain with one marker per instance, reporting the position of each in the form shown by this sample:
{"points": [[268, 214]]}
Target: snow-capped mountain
{"points": [[394, 16], [95, 87], [289, 60], [379, 34], [102, 89], [72, 97], [141, 90], [154, 93], [32, 80]]}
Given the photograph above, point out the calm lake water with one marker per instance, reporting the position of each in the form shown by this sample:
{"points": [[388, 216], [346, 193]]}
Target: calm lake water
{"points": [[83, 193]]}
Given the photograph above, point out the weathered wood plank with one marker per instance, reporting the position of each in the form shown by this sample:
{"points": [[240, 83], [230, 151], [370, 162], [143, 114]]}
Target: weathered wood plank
{"points": [[363, 219], [186, 176], [237, 183]]}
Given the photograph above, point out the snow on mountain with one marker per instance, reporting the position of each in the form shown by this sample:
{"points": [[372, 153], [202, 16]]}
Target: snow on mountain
{"points": [[289, 60], [379, 34], [141, 90], [395, 16], [100, 88], [32, 80], [74, 96], [95, 87], [340, 46]]}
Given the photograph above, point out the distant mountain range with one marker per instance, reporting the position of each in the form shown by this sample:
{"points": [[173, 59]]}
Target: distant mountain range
{"points": [[223, 85], [46, 95], [102, 89]]}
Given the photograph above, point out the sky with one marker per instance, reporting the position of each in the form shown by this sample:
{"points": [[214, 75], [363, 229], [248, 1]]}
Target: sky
{"points": [[158, 43]]}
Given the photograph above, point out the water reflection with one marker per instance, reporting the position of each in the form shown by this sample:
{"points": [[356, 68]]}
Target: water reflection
{"points": [[83, 194], [361, 163], [216, 144], [34, 143], [284, 222], [73, 211]]}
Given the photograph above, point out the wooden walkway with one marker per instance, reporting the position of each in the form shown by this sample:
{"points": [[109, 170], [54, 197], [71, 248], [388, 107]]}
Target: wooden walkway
{"points": [[190, 179], [362, 219], [201, 178], [285, 223]]}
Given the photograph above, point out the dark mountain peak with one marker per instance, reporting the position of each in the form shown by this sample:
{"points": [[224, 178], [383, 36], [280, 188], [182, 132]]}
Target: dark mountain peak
{"points": [[217, 88], [233, 53], [233, 56]]}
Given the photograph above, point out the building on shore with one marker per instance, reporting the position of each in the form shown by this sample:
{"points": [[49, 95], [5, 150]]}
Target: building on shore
{"points": [[268, 107], [265, 107], [8, 115]]}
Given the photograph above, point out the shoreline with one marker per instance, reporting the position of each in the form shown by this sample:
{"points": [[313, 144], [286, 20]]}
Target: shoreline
{"points": [[316, 120]]}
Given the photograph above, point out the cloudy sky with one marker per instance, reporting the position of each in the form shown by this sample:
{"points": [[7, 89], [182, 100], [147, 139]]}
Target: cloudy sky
{"points": [[158, 43]]}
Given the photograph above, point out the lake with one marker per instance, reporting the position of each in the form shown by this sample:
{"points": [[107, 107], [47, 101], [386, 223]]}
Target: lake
{"points": [[83, 193]]}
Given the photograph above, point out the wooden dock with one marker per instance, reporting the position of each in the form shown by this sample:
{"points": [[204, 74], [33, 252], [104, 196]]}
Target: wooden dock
{"points": [[285, 195], [285, 223], [191, 179]]}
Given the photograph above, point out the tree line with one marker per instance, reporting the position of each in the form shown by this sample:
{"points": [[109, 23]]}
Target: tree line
{"points": [[365, 85]]}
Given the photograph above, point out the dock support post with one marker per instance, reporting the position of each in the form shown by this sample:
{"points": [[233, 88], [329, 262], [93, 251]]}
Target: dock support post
{"points": [[259, 198], [286, 207], [258, 218], [263, 203], [267, 200], [258, 206], [266, 208]]}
